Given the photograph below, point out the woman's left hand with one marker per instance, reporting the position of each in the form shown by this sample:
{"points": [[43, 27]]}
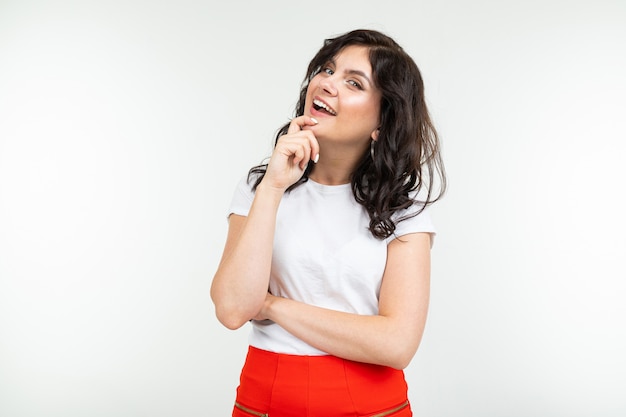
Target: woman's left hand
{"points": [[263, 313]]}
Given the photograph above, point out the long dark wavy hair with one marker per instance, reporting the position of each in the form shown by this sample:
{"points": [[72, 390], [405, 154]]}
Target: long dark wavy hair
{"points": [[406, 157]]}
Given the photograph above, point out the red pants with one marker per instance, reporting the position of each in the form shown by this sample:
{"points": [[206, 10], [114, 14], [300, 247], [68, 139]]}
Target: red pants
{"points": [[279, 385]]}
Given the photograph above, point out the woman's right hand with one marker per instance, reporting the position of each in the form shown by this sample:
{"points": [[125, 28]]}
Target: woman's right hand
{"points": [[292, 154], [239, 288]]}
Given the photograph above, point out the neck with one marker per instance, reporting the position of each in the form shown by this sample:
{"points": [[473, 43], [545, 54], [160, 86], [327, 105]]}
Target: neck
{"points": [[327, 178], [336, 164], [333, 171]]}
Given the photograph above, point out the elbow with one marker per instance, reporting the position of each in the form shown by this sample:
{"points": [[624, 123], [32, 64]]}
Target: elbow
{"points": [[400, 355], [230, 314], [399, 362], [396, 360], [232, 319], [233, 315], [230, 323]]}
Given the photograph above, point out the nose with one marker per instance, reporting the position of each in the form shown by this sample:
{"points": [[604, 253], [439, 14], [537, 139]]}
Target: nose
{"points": [[328, 85]]}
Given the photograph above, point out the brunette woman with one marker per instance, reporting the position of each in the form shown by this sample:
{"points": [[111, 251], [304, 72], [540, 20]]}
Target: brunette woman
{"points": [[328, 248]]}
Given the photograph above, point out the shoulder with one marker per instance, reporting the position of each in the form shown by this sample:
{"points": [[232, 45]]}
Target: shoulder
{"points": [[243, 196], [414, 219]]}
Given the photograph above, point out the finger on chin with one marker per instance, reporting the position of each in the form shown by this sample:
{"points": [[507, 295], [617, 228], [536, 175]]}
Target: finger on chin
{"points": [[301, 123], [295, 125]]}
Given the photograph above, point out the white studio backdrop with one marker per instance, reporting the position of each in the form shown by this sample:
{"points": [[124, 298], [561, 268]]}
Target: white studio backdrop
{"points": [[125, 125]]}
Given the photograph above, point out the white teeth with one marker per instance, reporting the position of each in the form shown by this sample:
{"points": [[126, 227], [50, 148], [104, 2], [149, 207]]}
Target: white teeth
{"points": [[323, 105]]}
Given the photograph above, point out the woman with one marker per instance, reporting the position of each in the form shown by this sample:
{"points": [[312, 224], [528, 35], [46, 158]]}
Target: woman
{"points": [[328, 247]]}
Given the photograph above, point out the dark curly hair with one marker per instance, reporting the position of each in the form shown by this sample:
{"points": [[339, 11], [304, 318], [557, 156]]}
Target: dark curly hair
{"points": [[406, 155]]}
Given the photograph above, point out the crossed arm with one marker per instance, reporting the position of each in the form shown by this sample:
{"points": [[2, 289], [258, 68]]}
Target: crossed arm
{"points": [[390, 338]]}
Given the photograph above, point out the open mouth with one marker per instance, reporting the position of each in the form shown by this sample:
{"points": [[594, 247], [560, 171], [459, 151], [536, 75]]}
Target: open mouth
{"points": [[319, 105]]}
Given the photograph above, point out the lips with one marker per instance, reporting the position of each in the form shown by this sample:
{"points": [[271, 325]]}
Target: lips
{"points": [[321, 105]]}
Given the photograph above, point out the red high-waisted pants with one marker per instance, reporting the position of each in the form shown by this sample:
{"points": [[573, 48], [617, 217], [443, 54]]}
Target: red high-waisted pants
{"points": [[279, 385]]}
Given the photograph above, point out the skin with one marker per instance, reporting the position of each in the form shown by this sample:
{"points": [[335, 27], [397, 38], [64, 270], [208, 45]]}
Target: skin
{"points": [[239, 289], [346, 85]]}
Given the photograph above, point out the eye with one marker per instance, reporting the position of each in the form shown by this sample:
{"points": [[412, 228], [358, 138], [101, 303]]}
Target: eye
{"points": [[355, 84], [328, 71]]}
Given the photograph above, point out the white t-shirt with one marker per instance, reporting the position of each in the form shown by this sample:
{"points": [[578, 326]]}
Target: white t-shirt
{"points": [[323, 255]]}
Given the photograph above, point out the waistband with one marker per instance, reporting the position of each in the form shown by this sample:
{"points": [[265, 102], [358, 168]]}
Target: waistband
{"points": [[276, 384]]}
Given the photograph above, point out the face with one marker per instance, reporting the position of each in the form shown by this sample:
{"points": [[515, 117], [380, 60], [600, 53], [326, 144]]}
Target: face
{"points": [[344, 100]]}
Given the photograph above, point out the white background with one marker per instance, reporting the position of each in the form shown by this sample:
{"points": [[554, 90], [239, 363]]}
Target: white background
{"points": [[124, 126]]}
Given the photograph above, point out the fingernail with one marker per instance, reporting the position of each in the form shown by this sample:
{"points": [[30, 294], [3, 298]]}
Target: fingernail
{"points": [[317, 158], [314, 120]]}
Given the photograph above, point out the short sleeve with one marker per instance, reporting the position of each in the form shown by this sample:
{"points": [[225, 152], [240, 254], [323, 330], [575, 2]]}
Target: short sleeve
{"points": [[242, 198], [421, 222]]}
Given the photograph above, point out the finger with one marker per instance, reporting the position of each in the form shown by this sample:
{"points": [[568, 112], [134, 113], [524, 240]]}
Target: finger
{"points": [[315, 148], [299, 156], [299, 122], [307, 148], [307, 156], [312, 144]]}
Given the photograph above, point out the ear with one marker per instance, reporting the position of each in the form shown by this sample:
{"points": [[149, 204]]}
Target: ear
{"points": [[375, 135]]}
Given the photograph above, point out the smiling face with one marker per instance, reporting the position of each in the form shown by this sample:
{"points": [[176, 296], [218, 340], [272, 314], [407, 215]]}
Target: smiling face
{"points": [[344, 100]]}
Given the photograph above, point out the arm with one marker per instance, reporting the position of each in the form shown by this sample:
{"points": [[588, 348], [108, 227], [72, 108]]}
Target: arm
{"points": [[242, 278], [240, 284], [390, 338]]}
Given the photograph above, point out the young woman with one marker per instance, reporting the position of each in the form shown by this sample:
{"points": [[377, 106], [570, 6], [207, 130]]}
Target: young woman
{"points": [[328, 247]]}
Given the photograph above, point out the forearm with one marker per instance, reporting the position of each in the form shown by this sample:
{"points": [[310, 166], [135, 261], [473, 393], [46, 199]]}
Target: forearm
{"points": [[378, 339], [242, 279]]}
